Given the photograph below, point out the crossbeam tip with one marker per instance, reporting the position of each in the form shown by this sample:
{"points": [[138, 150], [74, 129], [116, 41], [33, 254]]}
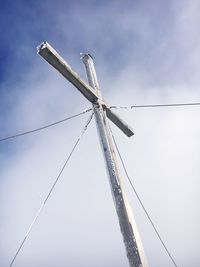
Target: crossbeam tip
{"points": [[42, 46], [119, 122]]}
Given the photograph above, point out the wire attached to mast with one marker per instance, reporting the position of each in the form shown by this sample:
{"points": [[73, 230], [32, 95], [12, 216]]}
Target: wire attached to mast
{"points": [[45, 127], [50, 191], [156, 105]]}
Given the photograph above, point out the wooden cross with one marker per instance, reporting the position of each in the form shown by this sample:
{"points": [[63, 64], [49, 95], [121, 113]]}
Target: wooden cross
{"points": [[91, 91]]}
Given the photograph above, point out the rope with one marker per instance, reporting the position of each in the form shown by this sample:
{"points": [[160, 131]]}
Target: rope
{"points": [[142, 205], [156, 105], [44, 127], [51, 190]]}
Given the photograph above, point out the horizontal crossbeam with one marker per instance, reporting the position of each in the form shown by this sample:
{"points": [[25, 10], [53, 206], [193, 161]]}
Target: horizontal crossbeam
{"points": [[46, 51]]}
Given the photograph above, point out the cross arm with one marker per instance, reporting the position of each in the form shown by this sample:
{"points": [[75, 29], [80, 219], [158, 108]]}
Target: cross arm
{"points": [[46, 51], [119, 122]]}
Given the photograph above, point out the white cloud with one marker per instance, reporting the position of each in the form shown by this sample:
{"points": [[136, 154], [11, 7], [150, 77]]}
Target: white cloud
{"points": [[139, 60]]}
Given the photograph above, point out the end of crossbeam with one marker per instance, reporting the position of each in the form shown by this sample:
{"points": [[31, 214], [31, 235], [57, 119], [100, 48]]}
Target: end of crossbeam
{"points": [[41, 46], [47, 52], [119, 122]]}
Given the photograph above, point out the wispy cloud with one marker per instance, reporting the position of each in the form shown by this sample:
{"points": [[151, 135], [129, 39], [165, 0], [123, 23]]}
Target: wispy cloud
{"points": [[144, 53]]}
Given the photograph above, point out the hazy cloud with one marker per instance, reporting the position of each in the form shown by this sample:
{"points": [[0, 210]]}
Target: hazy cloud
{"points": [[144, 53]]}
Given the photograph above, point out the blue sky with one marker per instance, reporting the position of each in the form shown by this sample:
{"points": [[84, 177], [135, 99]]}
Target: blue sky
{"points": [[146, 52]]}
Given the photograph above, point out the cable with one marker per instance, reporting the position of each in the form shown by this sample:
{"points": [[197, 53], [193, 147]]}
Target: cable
{"points": [[142, 205], [50, 191], [44, 127], [111, 107], [157, 105]]}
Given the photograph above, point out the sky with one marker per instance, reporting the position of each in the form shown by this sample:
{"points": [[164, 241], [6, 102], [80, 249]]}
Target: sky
{"points": [[145, 52]]}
